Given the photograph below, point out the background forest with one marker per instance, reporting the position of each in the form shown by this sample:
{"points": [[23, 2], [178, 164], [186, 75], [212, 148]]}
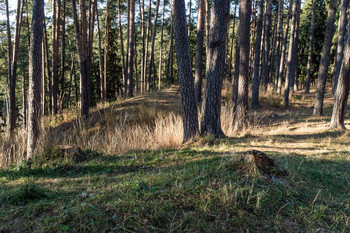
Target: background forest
{"points": [[174, 116]]}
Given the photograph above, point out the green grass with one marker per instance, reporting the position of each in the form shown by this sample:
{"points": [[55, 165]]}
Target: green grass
{"points": [[184, 190]]}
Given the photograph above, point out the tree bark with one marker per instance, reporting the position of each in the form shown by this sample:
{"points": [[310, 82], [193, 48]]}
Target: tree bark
{"points": [[131, 49], [325, 57], [182, 46], [63, 55], [142, 12], [311, 44], [49, 74], [256, 76], [215, 70], [342, 90], [35, 75], [341, 41], [241, 118], [199, 51]]}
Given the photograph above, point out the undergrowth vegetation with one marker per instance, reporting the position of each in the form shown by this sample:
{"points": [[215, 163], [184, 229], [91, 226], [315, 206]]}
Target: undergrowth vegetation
{"points": [[135, 176]]}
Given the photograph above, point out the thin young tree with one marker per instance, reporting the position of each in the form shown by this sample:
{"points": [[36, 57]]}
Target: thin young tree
{"points": [[182, 47], [55, 52], [311, 45], [256, 76], [325, 57], [266, 42], [215, 70], [131, 49], [291, 53], [241, 117], [151, 54], [284, 48], [100, 62], [80, 36], [12, 55], [161, 50], [341, 41], [342, 90], [199, 50], [105, 58], [35, 76], [279, 42]]}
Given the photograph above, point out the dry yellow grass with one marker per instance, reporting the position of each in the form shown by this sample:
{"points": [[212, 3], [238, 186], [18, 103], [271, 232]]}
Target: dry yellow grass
{"points": [[154, 122]]}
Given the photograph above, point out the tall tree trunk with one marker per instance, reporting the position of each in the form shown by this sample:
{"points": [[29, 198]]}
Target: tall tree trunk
{"points": [[11, 116], [266, 54], [63, 54], [311, 44], [43, 77], [256, 75], [279, 42], [182, 46], [146, 83], [207, 24], [199, 51], [80, 37], [142, 12], [341, 41], [232, 42], [100, 62], [294, 84], [35, 75], [124, 70], [236, 73], [324, 62], [49, 74], [241, 118], [12, 54], [292, 47], [273, 49], [131, 49], [215, 70], [70, 82], [105, 58], [284, 48], [55, 50], [169, 70], [189, 20], [151, 55], [161, 50], [342, 90]]}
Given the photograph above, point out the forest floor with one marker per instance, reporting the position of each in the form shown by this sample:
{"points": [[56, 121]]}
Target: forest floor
{"points": [[192, 187]]}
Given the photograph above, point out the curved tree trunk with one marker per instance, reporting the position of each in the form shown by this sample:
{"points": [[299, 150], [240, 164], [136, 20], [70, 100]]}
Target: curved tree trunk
{"points": [[182, 46], [324, 63], [241, 118], [35, 76], [311, 44], [199, 51], [256, 77], [341, 40]]}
